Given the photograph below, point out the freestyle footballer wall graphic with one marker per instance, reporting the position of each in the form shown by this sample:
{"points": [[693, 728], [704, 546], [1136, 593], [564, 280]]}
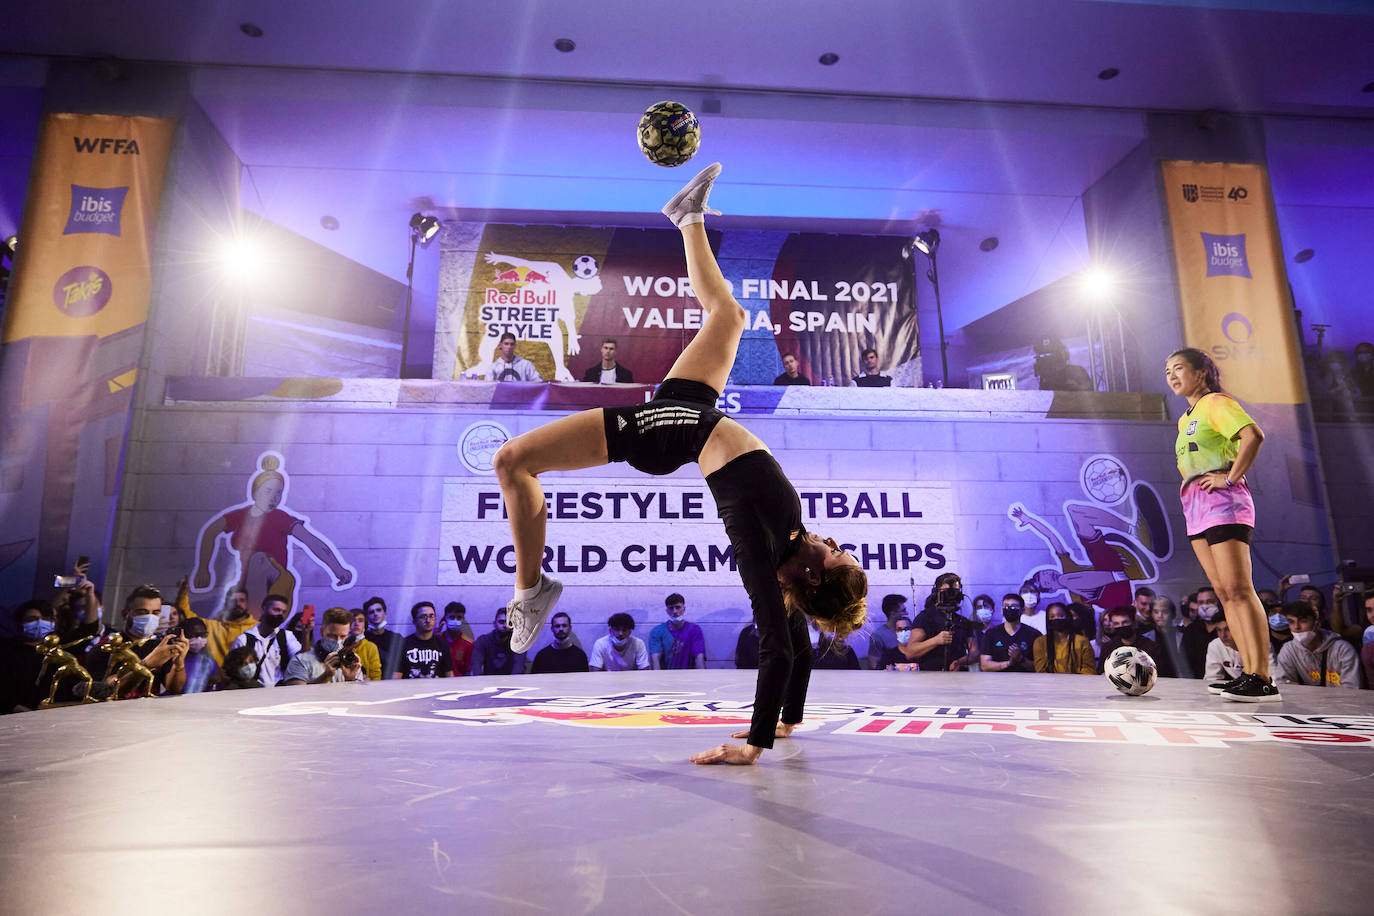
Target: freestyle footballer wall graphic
{"points": [[259, 534], [1115, 548]]}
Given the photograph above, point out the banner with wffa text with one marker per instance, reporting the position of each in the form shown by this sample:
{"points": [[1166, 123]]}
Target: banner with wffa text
{"points": [[1231, 279], [73, 338], [83, 266]]}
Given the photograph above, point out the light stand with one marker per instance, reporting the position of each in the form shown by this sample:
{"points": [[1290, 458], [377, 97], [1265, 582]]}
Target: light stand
{"points": [[422, 230], [928, 242]]}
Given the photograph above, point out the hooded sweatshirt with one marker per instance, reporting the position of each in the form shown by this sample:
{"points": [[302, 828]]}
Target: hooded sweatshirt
{"points": [[1302, 665]]}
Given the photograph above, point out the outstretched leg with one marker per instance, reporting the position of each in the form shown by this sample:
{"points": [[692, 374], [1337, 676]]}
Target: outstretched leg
{"points": [[711, 354], [567, 444]]}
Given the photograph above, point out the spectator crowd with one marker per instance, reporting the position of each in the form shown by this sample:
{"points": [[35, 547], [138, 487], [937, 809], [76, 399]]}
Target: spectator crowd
{"points": [[64, 652]]}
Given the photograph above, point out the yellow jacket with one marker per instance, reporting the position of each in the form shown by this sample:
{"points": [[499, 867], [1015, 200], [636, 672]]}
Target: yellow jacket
{"points": [[370, 657], [1074, 657], [220, 634]]}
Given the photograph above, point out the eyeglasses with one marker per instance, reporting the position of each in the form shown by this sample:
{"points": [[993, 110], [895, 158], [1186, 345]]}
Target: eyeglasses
{"points": [[425, 617]]}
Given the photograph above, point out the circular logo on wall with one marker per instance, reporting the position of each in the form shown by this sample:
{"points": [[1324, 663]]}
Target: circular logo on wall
{"points": [[478, 444], [1233, 333], [82, 291]]}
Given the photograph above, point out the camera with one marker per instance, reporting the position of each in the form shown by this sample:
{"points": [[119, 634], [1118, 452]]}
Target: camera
{"points": [[949, 598], [347, 658]]}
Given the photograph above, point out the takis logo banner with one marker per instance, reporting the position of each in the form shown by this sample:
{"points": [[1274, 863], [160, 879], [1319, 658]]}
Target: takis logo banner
{"points": [[514, 706]]}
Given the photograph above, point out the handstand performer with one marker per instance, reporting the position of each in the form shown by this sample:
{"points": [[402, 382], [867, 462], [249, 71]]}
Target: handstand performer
{"points": [[789, 573]]}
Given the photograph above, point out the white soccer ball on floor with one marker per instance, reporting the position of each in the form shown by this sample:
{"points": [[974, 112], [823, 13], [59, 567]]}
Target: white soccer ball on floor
{"points": [[585, 267], [1130, 671]]}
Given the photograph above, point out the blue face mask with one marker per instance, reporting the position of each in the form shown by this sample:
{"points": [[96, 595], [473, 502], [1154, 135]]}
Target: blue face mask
{"points": [[328, 645], [903, 637], [35, 630], [142, 626], [1278, 622]]}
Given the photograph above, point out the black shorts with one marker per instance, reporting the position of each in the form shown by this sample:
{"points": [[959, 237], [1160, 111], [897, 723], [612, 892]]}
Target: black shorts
{"points": [[1218, 533], [662, 435]]}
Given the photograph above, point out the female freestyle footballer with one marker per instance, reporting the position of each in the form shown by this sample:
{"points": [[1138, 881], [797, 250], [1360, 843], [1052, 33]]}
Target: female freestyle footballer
{"points": [[789, 573], [1217, 442]]}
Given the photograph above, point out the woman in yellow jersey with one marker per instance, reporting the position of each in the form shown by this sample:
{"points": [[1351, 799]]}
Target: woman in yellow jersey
{"points": [[1217, 442]]}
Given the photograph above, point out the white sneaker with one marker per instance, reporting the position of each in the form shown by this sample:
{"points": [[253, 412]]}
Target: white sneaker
{"points": [[526, 617], [688, 205]]}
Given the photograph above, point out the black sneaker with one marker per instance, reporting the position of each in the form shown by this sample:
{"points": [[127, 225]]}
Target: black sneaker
{"points": [[1251, 688], [1220, 687]]}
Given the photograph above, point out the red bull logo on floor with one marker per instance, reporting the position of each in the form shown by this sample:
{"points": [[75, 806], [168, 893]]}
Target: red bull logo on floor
{"points": [[509, 706]]}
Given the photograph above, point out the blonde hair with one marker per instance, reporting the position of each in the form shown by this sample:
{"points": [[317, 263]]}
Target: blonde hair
{"points": [[838, 605], [270, 463]]}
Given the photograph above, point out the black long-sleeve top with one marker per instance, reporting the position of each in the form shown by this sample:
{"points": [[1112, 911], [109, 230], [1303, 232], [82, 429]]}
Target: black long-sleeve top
{"points": [[760, 510]]}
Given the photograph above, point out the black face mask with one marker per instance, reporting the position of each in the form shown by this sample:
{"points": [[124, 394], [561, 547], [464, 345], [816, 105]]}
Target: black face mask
{"points": [[1011, 615], [1126, 632], [1059, 625], [272, 621]]}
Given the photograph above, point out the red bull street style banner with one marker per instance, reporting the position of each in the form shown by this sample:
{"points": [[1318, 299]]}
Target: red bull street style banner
{"points": [[562, 290]]}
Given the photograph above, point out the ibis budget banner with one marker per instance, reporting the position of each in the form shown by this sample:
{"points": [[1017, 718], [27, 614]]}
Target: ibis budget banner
{"points": [[1231, 278], [83, 266], [73, 335]]}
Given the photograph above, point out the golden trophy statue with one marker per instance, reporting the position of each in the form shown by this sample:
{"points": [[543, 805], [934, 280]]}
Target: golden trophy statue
{"points": [[126, 667], [54, 653]]}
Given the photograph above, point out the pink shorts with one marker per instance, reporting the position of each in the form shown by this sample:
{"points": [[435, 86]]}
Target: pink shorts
{"points": [[1203, 509]]}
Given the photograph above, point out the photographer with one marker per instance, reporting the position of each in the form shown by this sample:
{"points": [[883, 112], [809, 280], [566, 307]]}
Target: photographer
{"points": [[331, 659], [942, 639]]}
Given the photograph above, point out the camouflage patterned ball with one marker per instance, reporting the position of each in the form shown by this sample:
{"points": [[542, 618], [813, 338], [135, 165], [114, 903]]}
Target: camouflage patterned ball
{"points": [[669, 133]]}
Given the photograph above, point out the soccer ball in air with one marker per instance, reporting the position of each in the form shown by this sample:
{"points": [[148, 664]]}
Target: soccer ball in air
{"points": [[669, 133], [1130, 671], [585, 267]]}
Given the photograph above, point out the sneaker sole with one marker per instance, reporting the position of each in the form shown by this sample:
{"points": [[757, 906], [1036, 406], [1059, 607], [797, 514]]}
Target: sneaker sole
{"points": [[671, 206], [549, 599], [1266, 698], [1216, 691]]}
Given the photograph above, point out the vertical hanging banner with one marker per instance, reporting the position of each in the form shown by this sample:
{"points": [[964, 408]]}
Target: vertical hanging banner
{"points": [[73, 336], [1231, 279]]}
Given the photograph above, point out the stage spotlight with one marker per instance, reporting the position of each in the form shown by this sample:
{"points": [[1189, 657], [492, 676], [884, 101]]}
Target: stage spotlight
{"points": [[928, 241], [242, 259], [423, 228], [1099, 283]]}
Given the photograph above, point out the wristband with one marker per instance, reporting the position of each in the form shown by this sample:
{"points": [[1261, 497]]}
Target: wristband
{"points": [[1229, 485]]}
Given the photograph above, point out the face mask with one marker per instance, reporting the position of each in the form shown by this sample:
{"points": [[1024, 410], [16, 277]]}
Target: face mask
{"points": [[197, 644], [271, 621], [562, 638], [1059, 625], [1365, 358], [328, 645], [1125, 632], [143, 626], [983, 614], [36, 629], [1011, 615], [1368, 635], [904, 636], [676, 622], [452, 623], [1206, 611], [1306, 640], [619, 641], [1278, 622], [247, 672]]}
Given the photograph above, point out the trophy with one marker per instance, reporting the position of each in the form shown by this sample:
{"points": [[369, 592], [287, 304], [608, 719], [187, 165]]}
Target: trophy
{"points": [[54, 653], [126, 667]]}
